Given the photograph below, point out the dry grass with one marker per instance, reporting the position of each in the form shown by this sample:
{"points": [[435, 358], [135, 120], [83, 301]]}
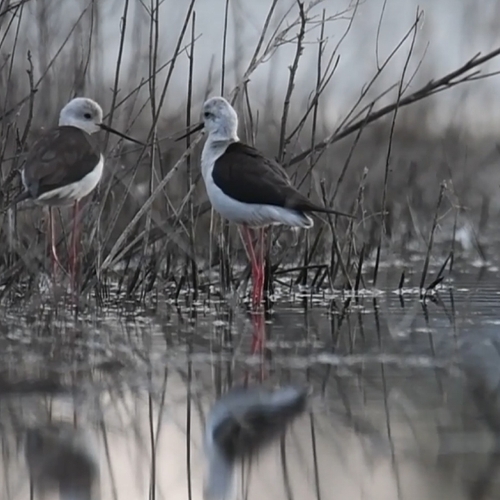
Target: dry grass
{"points": [[149, 223]]}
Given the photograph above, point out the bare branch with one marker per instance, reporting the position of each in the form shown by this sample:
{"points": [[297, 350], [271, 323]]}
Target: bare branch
{"points": [[432, 87]]}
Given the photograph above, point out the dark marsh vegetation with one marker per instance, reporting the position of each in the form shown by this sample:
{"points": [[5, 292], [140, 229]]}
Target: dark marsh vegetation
{"points": [[149, 226]]}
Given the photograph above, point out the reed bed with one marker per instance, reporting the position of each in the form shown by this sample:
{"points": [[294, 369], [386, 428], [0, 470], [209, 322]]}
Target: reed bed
{"points": [[149, 226]]}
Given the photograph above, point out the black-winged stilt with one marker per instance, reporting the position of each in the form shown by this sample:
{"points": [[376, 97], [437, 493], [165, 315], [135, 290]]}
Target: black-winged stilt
{"points": [[246, 187], [66, 164]]}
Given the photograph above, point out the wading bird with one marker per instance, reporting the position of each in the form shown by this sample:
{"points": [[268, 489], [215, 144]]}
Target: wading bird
{"points": [[240, 424], [247, 188], [65, 165]]}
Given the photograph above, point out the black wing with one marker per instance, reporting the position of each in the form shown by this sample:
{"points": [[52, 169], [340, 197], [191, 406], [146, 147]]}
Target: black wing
{"points": [[246, 175], [62, 156]]}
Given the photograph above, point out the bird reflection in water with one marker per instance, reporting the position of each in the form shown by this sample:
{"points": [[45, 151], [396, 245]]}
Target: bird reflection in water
{"points": [[240, 424], [61, 457]]}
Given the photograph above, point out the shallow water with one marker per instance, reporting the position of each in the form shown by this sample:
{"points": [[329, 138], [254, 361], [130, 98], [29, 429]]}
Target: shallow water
{"points": [[404, 398]]}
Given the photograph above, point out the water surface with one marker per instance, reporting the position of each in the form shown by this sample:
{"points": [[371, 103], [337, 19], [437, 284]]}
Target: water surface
{"points": [[404, 401]]}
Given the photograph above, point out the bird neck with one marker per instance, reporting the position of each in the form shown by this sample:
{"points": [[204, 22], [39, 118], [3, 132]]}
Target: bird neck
{"points": [[77, 124], [222, 135], [220, 479], [215, 147]]}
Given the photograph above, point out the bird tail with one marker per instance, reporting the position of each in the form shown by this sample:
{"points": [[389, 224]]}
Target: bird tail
{"points": [[327, 210], [304, 204]]}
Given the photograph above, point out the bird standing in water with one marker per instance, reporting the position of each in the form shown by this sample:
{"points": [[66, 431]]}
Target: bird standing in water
{"points": [[65, 165], [247, 188]]}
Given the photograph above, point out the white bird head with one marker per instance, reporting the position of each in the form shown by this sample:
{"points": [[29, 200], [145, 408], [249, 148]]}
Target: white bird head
{"points": [[220, 119], [86, 114], [82, 113]]}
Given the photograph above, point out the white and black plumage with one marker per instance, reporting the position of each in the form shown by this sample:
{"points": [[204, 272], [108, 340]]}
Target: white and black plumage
{"points": [[66, 163], [243, 185], [241, 424], [246, 187]]}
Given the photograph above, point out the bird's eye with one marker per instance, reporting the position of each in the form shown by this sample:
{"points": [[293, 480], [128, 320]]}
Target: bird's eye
{"points": [[207, 114], [88, 116]]}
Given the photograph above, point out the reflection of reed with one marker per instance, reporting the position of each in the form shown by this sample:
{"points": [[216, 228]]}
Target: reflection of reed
{"points": [[239, 425], [390, 420], [481, 362], [59, 456]]}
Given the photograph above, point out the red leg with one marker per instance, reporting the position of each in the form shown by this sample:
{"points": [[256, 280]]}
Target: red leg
{"points": [[259, 271], [50, 238], [258, 342], [259, 339], [74, 246], [258, 318], [261, 266], [259, 333], [248, 240], [53, 246], [259, 336]]}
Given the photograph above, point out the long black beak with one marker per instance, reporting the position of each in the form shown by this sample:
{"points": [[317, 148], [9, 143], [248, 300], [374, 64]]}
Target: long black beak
{"points": [[113, 131], [195, 128]]}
